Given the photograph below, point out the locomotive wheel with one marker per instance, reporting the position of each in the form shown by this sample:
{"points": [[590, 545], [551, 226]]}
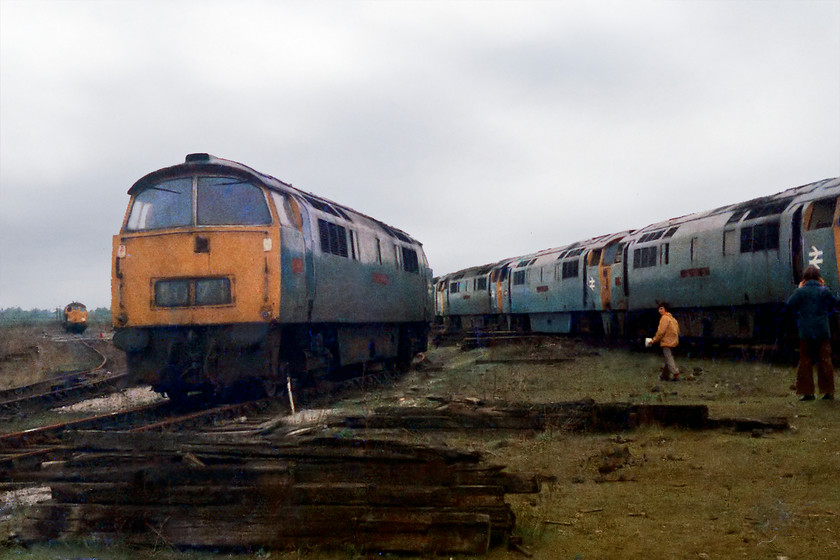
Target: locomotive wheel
{"points": [[274, 385]]}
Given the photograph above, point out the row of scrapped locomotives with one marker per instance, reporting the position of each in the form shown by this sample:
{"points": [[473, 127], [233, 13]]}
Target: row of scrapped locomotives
{"points": [[726, 274]]}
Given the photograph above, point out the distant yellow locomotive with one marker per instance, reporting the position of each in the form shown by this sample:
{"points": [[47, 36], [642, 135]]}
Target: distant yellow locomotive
{"points": [[226, 279], [74, 317]]}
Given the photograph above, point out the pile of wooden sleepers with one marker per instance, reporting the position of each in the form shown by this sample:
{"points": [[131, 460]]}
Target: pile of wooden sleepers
{"points": [[219, 491]]}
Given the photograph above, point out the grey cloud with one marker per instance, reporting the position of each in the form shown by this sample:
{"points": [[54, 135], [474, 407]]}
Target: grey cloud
{"points": [[484, 129]]}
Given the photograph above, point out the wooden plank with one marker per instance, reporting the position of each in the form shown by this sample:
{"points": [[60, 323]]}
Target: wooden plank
{"points": [[778, 423], [388, 530], [148, 473], [245, 446], [693, 416], [511, 483], [520, 360], [124, 493], [470, 343], [442, 421], [156, 472]]}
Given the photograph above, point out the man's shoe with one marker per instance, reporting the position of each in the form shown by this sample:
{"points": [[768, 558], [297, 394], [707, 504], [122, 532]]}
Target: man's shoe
{"points": [[676, 378], [807, 398], [663, 378], [828, 397]]}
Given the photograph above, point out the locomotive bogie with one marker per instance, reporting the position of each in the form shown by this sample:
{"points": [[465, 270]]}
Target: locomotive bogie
{"points": [[177, 360]]}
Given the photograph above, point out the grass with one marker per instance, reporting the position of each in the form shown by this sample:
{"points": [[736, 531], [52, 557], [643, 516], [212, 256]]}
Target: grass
{"points": [[648, 493], [655, 492]]}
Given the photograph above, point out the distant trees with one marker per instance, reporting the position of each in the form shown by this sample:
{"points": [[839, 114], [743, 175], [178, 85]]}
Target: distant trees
{"points": [[24, 317], [18, 316], [99, 315]]}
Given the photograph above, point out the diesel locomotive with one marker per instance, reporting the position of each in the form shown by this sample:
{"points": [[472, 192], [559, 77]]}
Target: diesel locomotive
{"points": [[225, 279], [74, 317], [726, 273]]}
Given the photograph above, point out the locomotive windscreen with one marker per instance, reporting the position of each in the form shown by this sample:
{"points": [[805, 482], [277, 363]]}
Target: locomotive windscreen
{"points": [[218, 201]]}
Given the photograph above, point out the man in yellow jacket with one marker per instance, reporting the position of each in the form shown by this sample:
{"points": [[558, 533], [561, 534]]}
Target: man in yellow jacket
{"points": [[668, 337]]}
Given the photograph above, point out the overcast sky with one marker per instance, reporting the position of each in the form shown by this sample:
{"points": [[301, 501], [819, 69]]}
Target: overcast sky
{"points": [[484, 129]]}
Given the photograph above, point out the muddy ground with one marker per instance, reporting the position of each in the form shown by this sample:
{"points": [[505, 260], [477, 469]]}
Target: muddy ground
{"points": [[647, 493]]}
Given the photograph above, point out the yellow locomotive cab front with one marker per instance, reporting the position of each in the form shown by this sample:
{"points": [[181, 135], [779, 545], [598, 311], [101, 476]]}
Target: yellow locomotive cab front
{"points": [[75, 317], [195, 279]]}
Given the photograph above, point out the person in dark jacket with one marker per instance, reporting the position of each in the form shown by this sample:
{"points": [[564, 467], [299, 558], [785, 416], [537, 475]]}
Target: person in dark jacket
{"points": [[812, 304]]}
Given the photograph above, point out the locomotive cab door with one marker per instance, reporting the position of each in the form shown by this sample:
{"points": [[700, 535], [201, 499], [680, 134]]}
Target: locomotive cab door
{"points": [[500, 298], [442, 299], [613, 300], [796, 245], [589, 322], [821, 239], [499, 288], [612, 254], [297, 270], [591, 280]]}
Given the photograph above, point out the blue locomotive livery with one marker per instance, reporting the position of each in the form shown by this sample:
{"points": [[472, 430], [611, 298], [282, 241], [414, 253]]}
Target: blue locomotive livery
{"points": [[726, 274]]}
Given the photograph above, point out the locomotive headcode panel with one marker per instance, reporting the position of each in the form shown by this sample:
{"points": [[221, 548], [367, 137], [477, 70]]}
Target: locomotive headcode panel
{"points": [[726, 273], [225, 279]]}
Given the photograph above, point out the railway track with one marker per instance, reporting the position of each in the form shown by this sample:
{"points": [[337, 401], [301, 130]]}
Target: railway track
{"points": [[64, 389], [24, 451], [68, 389], [21, 453]]}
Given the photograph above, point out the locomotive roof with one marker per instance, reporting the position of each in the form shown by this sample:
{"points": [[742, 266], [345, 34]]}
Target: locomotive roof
{"points": [[777, 202], [202, 162]]}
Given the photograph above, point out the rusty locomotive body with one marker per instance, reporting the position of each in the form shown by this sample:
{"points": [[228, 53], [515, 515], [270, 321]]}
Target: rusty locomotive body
{"points": [[224, 278], [726, 273]]}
